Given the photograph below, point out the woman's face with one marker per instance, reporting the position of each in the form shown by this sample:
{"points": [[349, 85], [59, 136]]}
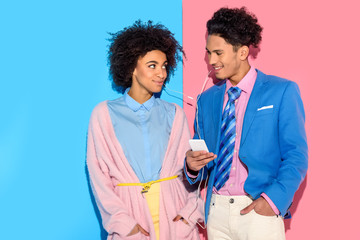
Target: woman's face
{"points": [[150, 73]]}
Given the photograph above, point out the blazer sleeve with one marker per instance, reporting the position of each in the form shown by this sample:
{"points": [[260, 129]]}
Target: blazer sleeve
{"points": [[198, 131], [293, 149], [115, 217]]}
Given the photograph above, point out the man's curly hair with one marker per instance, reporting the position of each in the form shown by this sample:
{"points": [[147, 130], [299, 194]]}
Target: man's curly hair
{"points": [[237, 26], [131, 43]]}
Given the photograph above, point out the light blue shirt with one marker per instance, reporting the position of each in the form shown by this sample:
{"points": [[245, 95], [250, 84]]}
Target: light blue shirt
{"points": [[143, 131]]}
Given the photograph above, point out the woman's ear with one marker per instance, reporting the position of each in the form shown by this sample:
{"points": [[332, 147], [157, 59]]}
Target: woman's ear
{"points": [[134, 73]]}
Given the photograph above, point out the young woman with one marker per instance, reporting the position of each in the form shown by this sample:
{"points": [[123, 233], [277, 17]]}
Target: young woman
{"points": [[137, 143]]}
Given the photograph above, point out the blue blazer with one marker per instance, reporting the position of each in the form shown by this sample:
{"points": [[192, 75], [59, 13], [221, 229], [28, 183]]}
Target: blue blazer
{"points": [[273, 141]]}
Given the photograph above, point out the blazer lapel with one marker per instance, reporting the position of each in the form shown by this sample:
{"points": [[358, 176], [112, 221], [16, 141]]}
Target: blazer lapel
{"points": [[253, 104], [218, 102]]}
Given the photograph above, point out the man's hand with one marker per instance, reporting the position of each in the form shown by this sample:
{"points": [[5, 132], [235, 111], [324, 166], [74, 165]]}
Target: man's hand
{"points": [[178, 217], [198, 159], [260, 206], [137, 229]]}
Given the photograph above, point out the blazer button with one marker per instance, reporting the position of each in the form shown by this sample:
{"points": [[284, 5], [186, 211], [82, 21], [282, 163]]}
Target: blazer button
{"points": [[231, 200]]}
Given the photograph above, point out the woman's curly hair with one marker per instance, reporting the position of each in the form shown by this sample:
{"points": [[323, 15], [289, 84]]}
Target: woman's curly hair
{"points": [[237, 26], [131, 43]]}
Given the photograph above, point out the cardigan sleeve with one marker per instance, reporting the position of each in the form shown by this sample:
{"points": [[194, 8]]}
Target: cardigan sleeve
{"points": [[193, 209], [115, 218]]}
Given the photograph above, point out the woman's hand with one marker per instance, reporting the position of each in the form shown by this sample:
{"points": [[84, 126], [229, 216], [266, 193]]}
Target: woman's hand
{"points": [[137, 229], [178, 217]]}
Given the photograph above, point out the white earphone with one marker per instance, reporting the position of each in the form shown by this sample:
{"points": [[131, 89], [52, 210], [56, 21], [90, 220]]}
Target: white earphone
{"points": [[198, 133]]}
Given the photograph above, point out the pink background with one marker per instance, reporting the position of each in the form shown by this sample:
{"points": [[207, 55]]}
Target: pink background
{"points": [[316, 44]]}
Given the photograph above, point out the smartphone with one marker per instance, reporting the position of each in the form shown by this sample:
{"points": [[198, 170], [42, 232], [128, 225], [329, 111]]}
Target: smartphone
{"points": [[198, 145]]}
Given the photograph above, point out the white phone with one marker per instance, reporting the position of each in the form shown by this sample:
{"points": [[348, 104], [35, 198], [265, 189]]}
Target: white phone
{"points": [[198, 145]]}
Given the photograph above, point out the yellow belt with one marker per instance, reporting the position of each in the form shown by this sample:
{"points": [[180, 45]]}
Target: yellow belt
{"points": [[146, 186]]}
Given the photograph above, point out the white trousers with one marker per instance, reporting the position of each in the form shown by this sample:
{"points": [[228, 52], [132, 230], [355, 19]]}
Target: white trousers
{"points": [[225, 221]]}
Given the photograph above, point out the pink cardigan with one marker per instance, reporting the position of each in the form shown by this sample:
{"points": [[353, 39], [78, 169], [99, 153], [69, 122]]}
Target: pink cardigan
{"points": [[122, 207]]}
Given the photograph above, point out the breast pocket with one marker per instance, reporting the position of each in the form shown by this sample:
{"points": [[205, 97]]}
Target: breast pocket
{"points": [[266, 111], [261, 134]]}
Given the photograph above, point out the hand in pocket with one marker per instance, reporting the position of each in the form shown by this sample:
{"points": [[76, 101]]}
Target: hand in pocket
{"points": [[137, 229]]}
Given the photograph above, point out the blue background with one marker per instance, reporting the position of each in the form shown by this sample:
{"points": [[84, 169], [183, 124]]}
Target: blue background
{"points": [[53, 71]]}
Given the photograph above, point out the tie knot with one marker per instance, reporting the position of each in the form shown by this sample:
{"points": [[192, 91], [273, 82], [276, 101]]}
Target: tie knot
{"points": [[234, 93]]}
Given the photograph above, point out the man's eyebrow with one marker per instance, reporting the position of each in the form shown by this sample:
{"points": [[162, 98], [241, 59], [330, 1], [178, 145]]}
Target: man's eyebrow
{"points": [[216, 50]]}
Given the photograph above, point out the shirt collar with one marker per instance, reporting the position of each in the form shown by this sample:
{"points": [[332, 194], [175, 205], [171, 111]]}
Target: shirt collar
{"points": [[134, 105], [246, 84]]}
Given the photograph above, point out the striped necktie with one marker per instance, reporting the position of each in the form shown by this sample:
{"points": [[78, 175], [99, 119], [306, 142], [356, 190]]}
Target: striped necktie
{"points": [[227, 139]]}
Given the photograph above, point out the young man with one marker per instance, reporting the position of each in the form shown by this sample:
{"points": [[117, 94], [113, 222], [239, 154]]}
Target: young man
{"points": [[253, 125]]}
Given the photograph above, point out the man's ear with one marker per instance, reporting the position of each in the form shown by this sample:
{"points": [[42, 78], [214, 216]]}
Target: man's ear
{"points": [[243, 52]]}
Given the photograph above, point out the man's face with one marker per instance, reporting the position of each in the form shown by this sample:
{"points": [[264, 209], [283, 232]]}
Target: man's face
{"points": [[221, 55]]}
